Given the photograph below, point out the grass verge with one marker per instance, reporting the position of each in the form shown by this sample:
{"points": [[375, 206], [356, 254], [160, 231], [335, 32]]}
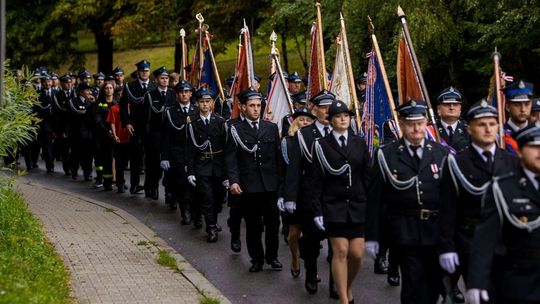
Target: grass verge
{"points": [[30, 270], [167, 260]]}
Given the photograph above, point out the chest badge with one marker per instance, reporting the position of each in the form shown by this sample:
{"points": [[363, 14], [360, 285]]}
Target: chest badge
{"points": [[435, 171]]}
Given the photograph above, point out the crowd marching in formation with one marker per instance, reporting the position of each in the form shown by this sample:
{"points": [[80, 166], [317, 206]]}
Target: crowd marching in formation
{"points": [[466, 209]]}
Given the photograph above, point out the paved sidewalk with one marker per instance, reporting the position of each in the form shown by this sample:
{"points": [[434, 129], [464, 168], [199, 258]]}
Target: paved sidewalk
{"points": [[110, 254]]}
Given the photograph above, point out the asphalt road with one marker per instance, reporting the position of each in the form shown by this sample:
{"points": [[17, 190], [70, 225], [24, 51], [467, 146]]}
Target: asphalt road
{"points": [[227, 270]]}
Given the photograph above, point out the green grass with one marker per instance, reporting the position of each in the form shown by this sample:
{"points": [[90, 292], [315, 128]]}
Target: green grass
{"points": [[30, 271], [164, 56], [165, 259], [209, 300]]}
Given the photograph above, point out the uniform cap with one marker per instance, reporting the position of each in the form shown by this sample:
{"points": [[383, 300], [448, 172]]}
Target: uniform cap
{"points": [[183, 86], [99, 76], [204, 93], [535, 105], [300, 97], [161, 71], [519, 91], [529, 136], [118, 70], [338, 107], [481, 109], [302, 112], [323, 98], [412, 110], [143, 65], [249, 94], [294, 77], [450, 95]]}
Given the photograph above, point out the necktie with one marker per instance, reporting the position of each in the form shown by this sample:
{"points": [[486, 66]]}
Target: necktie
{"points": [[144, 86], [450, 131], [326, 130], [184, 109], [48, 93], [206, 122], [254, 124], [343, 141], [414, 148], [489, 161], [163, 94]]}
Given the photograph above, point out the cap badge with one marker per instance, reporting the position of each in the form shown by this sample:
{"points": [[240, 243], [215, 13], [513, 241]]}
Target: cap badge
{"points": [[521, 85], [413, 103], [484, 103]]}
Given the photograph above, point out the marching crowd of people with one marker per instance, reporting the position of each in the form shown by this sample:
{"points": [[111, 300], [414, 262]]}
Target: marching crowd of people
{"points": [[427, 213]]}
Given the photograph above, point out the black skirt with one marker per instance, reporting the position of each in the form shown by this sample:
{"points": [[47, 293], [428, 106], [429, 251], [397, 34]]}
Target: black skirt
{"points": [[345, 230], [290, 218]]}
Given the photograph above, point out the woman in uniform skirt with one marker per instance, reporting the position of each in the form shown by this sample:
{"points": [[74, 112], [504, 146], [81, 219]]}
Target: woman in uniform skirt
{"points": [[301, 117], [339, 174]]}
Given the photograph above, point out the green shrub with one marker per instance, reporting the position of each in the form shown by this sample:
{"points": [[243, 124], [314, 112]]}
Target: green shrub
{"points": [[30, 271]]}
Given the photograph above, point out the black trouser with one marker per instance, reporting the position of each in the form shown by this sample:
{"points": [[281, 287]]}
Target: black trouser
{"points": [[26, 151], [235, 214], [309, 242], [211, 193], [105, 157], [421, 274], [152, 158], [61, 152], [260, 211], [81, 154], [178, 186], [121, 157], [45, 139], [135, 150]]}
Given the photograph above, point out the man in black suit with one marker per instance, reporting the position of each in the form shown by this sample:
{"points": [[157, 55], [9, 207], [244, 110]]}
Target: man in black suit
{"points": [[253, 162], [155, 102], [133, 114], [206, 160], [451, 128], [173, 152], [80, 131], [297, 186], [61, 120], [464, 180], [405, 197], [44, 110], [506, 245], [518, 105]]}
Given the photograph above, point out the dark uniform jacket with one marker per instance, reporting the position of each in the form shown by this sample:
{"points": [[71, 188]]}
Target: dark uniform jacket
{"points": [[100, 112], [174, 138], [207, 159], [61, 110], [81, 121], [285, 125], [460, 209], [133, 95], [222, 109], [510, 130], [155, 104], [460, 139], [400, 210], [517, 248], [340, 197], [44, 110], [258, 171], [297, 183]]}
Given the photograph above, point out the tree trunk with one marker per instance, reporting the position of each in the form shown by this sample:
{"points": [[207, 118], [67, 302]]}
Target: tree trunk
{"points": [[104, 44], [284, 51], [178, 57]]}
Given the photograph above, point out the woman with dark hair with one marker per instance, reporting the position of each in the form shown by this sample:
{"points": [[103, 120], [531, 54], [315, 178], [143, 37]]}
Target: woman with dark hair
{"points": [[339, 171], [103, 137]]}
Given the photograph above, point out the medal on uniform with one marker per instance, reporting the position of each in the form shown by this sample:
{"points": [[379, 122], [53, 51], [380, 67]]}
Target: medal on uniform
{"points": [[435, 170]]}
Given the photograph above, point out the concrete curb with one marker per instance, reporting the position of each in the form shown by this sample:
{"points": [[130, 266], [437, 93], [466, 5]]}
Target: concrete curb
{"points": [[203, 286]]}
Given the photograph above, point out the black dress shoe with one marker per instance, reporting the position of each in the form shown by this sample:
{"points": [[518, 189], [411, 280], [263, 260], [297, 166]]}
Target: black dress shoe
{"points": [[380, 266], [147, 192], [121, 189], [236, 244], [351, 301], [155, 194], [295, 273], [198, 224], [186, 218], [393, 279], [256, 267], [136, 189], [311, 284], [457, 295], [275, 264]]}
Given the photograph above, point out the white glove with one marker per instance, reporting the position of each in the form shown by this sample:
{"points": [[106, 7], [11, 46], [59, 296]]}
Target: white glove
{"points": [[191, 179], [449, 261], [165, 165], [290, 206], [474, 295], [319, 222], [372, 249], [280, 205], [226, 184]]}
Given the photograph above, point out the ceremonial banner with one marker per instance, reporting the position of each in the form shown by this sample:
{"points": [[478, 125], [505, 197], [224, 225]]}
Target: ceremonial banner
{"points": [[244, 70], [277, 103], [340, 85], [314, 76], [376, 107], [407, 79]]}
